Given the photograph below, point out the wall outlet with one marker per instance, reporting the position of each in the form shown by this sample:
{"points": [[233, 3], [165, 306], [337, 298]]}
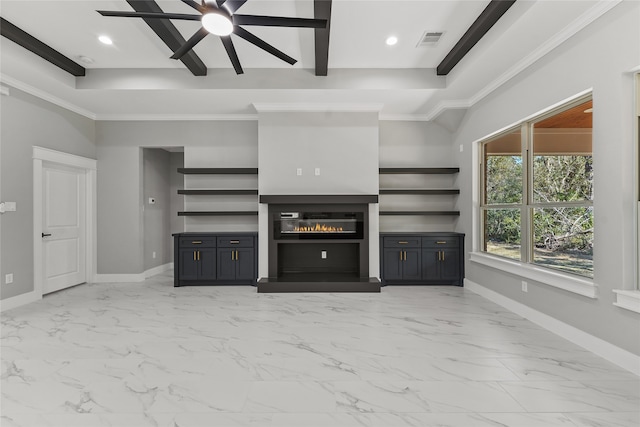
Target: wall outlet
{"points": [[10, 206], [317, 172], [153, 255], [524, 286], [461, 148], [299, 171], [8, 278], [323, 254]]}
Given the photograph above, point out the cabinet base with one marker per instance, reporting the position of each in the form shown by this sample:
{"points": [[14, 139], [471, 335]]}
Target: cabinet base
{"points": [[276, 285]]}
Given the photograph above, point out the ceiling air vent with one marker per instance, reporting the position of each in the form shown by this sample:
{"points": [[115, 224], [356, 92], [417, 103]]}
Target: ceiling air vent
{"points": [[430, 38]]}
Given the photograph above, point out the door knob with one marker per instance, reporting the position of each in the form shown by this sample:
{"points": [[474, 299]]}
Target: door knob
{"points": [[46, 234]]}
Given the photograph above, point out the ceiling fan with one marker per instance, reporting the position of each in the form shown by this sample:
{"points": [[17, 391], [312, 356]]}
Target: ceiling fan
{"points": [[219, 17]]}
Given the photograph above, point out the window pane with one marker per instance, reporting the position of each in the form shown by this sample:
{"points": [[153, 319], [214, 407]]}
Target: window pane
{"points": [[503, 169], [562, 161], [563, 239], [502, 232]]}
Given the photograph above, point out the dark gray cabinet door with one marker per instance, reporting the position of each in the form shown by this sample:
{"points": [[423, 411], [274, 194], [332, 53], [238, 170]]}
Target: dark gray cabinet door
{"points": [[188, 264], [450, 264], [392, 264], [411, 264], [207, 264], [430, 264], [244, 264], [226, 264]]}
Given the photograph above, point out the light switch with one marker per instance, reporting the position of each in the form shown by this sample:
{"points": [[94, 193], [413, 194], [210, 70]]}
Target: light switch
{"points": [[299, 171], [317, 171], [323, 254], [10, 206]]}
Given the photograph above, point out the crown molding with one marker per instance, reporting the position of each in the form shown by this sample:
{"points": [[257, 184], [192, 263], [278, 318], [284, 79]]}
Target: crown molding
{"points": [[317, 107], [38, 93], [402, 117], [176, 117], [595, 12]]}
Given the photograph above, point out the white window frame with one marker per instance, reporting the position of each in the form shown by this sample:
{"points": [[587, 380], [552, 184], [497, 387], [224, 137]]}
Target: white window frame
{"points": [[524, 268]]}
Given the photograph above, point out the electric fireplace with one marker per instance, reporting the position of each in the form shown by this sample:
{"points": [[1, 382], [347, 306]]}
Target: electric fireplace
{"points": [[318, 225]]}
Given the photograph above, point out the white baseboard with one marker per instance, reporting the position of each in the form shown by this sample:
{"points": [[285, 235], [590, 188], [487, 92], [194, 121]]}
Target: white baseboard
{"points": [[138, 277], [158, 270], [610, 352], [18, 300]]}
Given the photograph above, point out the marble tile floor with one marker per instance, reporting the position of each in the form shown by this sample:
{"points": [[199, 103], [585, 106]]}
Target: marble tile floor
{"points": [[147, 354]]}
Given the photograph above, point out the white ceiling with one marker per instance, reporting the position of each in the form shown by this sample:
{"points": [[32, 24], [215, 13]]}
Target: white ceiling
{"points": [[135, 78]]}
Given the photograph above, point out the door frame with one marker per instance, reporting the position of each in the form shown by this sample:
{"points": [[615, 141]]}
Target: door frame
{"points": [[89, 166]]}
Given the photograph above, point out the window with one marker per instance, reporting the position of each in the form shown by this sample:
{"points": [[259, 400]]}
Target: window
{"points": [[537, 191]]}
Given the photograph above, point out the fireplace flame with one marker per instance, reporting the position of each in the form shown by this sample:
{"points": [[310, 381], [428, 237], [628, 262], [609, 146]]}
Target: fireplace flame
{"points": [[318, 228]]}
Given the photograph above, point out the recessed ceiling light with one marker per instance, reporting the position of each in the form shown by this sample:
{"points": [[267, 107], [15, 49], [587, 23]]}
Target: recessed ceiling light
{"points": [[391, 40], [105, 40], [85, 59]]}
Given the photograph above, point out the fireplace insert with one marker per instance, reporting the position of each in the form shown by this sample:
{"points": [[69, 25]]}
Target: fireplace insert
{"points": [[318, 225]]}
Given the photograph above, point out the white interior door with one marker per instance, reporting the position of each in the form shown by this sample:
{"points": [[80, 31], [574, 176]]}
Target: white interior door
{"points": [[63, 227]]}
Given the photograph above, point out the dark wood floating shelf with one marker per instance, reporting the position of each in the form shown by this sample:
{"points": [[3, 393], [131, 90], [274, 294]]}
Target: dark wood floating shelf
{"points": [[217, 213], [419, 170], [275, 285], [229, 171], [418, 191], [404, 213], [218, 192]]}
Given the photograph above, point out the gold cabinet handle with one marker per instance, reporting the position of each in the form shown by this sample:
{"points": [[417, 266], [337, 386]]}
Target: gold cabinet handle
{"points": [[400, 255], [403, 243], [198, 255], [236, 255], [405, 255], [196, 242], [443, 255], [233, 255], [439, 259], [441, 242], [234, 242]]}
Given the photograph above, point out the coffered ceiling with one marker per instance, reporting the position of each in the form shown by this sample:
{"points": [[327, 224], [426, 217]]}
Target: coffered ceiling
{"points": [[135, 78]]}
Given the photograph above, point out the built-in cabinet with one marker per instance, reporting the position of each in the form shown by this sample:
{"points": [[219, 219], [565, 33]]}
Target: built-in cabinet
{"points": [[422, 258], [215, 258]]}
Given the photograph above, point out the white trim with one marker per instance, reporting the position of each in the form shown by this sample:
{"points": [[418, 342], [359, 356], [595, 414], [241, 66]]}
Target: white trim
{"points": [[158, 270], [64, 158], [19, 300], [41, 155], [133, 278], [402, 117], [46, 96], [317, 107], [118, 278], [610, 352], [176, 117], [595, 12], [629, 300], [545, 276]]}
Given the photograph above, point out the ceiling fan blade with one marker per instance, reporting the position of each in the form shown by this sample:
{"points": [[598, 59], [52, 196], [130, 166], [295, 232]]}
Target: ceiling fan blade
{"points": [[195, 5], [156, 15], [233, 56], [241, 32], [278, 21], [194, 40], [232, 5]]}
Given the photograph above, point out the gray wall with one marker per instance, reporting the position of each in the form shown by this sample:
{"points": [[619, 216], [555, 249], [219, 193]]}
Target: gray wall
{"points": [[416, 144], [343, 145], [176, 201], [599, 57], [26, 121], [156, 185], [120, 178]]}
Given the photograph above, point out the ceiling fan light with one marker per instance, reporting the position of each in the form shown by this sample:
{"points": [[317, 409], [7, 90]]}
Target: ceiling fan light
{"points": [[217, 23]]}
